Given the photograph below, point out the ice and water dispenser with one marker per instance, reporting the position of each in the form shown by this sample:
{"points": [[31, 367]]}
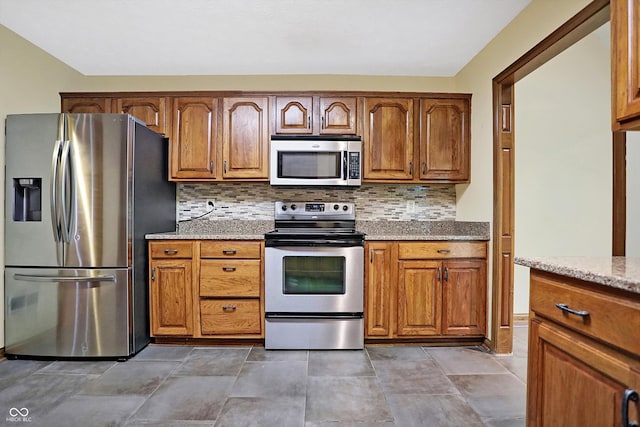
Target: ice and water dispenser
{"points": [[27, 199]]}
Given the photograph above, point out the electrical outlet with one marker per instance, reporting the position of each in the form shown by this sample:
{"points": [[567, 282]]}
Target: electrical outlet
{"points": [[211, 204], [411, 206]]}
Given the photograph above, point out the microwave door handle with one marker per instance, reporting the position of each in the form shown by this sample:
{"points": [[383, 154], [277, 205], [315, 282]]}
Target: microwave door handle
{"points": [[345, 165]]}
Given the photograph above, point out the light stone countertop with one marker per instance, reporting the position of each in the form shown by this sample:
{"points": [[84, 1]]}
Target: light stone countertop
{"points": [[374, 230], [616, 272]]}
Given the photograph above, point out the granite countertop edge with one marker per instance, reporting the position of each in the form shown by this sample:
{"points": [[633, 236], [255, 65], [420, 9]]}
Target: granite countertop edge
{"points": [[374, 230], [615, 272]]}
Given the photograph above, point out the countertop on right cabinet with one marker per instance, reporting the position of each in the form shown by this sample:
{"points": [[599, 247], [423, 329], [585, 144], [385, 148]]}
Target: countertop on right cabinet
{"points": [[616, 272], [424, 230]]}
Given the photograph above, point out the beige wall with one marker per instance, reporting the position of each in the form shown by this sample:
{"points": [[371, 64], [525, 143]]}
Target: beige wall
{"points": [[30, 81], [563, 158]]}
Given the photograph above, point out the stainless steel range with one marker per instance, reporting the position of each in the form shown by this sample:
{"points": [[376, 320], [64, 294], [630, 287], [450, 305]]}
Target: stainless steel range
{"points": [[314, 278]]}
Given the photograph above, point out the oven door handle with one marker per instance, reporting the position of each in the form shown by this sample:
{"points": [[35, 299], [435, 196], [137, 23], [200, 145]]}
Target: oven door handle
{"points": [[314, 316]]}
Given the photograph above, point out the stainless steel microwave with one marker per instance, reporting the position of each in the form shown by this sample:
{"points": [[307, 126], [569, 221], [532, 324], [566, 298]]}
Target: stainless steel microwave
{"points": [[316, 160]]}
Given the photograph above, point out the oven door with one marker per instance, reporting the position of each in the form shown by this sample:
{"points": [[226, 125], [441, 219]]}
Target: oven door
{"points": [[314, 280]]}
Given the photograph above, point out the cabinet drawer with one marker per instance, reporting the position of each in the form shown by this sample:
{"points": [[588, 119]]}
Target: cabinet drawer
{"points": [[437, 250], [171, 249], [611, 319], [230, 249], [230, 278], [230, 317]]}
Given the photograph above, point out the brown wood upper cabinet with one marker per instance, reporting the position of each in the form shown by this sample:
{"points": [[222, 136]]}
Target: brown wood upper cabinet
{"points": [[151, 110], [444, 139], [317, 115], [388, 139], [85, 105], [625, 61], [192, 152], [438, 150], [245, 137]]}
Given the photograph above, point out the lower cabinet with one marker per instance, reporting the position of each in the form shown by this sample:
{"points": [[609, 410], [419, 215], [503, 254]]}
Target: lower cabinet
{"points": [[426, 289], [206, 289], [584, 367], [170, 288]]}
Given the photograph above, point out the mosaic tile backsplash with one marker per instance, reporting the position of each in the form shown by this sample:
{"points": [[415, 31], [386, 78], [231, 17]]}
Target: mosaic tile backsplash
{"points": [[374, 202]]}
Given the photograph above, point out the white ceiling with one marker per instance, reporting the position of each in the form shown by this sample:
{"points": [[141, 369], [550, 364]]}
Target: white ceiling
{"points": [[237, 37]]}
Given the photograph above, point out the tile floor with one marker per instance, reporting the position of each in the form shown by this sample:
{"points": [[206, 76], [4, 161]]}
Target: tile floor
{"points": [[211, 386]]}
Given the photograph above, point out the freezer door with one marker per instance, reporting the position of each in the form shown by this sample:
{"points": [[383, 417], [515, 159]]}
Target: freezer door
{"points": [[29, 233], [67, 313], [68, 186]]}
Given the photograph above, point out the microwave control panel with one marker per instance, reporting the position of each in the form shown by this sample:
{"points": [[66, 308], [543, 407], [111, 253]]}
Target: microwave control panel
{"points": [[354, 165]]}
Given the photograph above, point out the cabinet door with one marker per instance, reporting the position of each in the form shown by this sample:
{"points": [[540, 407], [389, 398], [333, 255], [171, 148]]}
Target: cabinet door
{"points": [[151, 110], [419, 298], [86, 105], [464, 298], [245, 138], [444, 139], [192, 152], [294, 114], [338, 115], [171, 306], [388, 139], [379, 289], [625, 30], [573, 382]]}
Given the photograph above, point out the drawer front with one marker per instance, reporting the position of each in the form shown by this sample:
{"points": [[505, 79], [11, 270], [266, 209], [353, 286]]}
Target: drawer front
{"points": [[441, 250], [171, 249], [230, 317], [230, 249], [611, 319], [230, 278]]}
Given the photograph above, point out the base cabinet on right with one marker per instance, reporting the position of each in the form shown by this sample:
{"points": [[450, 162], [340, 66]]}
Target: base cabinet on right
{"points": [[576, 376], [426, 289]]}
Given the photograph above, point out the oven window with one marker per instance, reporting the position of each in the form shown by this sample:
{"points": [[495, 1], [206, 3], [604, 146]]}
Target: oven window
{"points": [[310, 165], [308, 275]]}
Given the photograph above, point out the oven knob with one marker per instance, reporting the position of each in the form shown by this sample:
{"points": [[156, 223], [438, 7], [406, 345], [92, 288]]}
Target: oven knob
{"points": [[336, 207], [293, 207], [284, 207], [345, 208]]}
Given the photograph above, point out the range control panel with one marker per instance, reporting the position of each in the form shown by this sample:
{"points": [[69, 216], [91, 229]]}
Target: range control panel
{"points": [[314, 210]]}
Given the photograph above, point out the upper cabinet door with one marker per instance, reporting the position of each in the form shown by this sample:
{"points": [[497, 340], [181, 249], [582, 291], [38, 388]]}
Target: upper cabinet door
{"points": [[294, 114], [338, 115], [151, 110], [388, 139], [625, 78], [444, 139], [192, 152], [86, 105], [245, 138]]}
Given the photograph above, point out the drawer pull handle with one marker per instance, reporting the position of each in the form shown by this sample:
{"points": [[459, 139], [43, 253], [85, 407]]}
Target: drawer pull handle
{"points": [[444, 251], [170, 251], [629, 395], [566, 309], [229, 307], [228, 268], [153, 274], [439, 274], [229, 251]]}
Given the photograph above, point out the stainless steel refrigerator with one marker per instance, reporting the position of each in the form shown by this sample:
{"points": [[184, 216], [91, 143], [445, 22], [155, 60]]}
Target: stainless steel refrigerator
{"points": [[81, 192]]}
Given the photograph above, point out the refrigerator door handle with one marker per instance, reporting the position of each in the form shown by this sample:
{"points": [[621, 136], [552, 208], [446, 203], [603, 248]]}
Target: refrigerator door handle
{"points": [[67, 191], [42, 278], [55, 189]]}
